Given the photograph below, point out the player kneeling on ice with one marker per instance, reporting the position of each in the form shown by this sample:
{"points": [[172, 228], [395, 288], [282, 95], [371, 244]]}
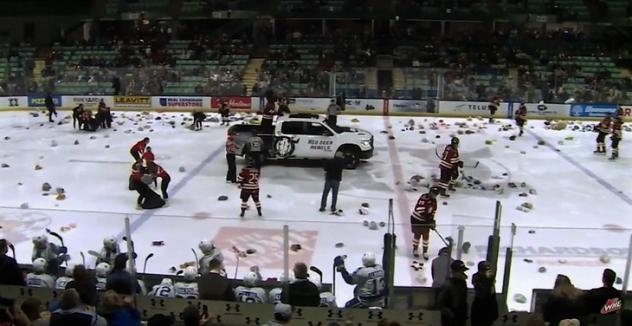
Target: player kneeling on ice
{"points": [[248, 179], [38, 278], [102, 270], [250, 292], [422, 221], [147, 198], [369, 281], [62, 281], [158, 172], [187, 289], [164, 290], [53, 255]]}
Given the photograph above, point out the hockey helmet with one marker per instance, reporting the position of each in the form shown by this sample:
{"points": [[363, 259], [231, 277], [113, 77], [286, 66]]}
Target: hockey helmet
{"points": [[206, 246], [40, 240], [39, 265], [103, 269], [434, 190], [251, 279], [368, 259], [455, 141], [190, 273], [109, 242], [69, 270], [166, 281]]}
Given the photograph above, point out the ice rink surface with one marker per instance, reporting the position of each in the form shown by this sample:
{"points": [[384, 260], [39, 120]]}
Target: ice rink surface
{"points": [[579, 223]]}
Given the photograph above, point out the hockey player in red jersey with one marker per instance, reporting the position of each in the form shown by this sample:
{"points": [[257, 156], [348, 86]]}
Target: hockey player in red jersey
{"points": [[139, 149], [148, 156], [158, 172], [521, 117], [449, 166], [248, 179], [422, 220], [617, 134], [603, 128]]}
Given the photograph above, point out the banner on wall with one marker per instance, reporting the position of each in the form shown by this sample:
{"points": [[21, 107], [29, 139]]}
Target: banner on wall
{"points": [[410, 106], [38, 100], [593, 110], [363, 105], [13, 102], [471, 108], [235, 102], [626, 111], [132, 101], [180, 102], [89, 102], [543, 109]]}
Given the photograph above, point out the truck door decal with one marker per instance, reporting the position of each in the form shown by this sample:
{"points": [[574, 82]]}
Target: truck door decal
{"points": [[284, 147]]}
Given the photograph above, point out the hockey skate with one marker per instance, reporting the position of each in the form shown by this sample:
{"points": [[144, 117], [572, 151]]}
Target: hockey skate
{"points": [[259, 212], [415, 252], [614, 156], [425, 255], [243, 211], [451, 187], [444, 194]]}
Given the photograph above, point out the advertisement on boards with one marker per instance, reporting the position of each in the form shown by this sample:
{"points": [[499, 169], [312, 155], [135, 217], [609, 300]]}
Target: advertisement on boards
{"points": [[236, 102], [13, 102], [372, 106], [471, 108], [89, 102], [543, 109], [410, 106], [317, 105], [593, 110], [626, 111], [180, 102], [132, 101], [38, 100]]}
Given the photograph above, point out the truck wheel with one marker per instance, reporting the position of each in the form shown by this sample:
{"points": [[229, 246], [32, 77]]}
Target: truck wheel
{"points": [[351, 158]]}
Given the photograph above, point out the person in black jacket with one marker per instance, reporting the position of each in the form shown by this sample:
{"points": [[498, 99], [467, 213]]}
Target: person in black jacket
{"points": [[214, 285], [50, 106], [452, 300], [484, 307], [606, 299], [86, 285], [565, 302], [302, 292], [120, 280], [333, 176], [10, 273]]}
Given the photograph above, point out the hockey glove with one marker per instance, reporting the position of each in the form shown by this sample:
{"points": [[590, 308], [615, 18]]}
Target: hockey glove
{"points": [[63, 250], [433, 225]]}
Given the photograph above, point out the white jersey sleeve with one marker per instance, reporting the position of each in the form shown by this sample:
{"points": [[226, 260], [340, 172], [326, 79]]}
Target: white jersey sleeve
{"points": [[61, 282], [206, 259], [186, 290], [40, 280], [370, 282], [163, 291], [250, 295], [101, 281], [274, 296]]}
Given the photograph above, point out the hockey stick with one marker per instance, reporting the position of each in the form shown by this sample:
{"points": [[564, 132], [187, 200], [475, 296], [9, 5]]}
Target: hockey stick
{"points": [[236, 251], [317, 271], [145, 263], [95, 254], [440, 236], [12, 247], [197, 262], [333, 282], [83, 258], [56, 235]]}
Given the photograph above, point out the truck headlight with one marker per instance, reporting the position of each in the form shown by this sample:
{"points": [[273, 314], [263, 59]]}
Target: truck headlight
{"points": [[366, 143]]}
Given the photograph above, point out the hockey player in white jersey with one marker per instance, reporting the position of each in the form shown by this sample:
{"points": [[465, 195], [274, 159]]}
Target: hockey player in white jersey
{"points": [[369, 281], [164, 290], [38, 278], [60, 283], [109, 251], [102, 270], [209, 252], [250, 292], [189, 288], [53, 254]]}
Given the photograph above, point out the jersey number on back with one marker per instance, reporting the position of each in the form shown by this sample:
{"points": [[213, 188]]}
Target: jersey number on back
{"points": [[378, 285]]}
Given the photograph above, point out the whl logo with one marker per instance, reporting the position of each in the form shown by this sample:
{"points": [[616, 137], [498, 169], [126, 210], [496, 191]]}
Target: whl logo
{"points": [[13, 101], [611, 306], [542, 107]]}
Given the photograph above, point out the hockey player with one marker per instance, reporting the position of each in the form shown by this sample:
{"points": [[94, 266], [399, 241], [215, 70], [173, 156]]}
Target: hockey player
{"points": [[104, 116], [369, 281], [209, 252], [603, 129], [224, 112], [60, 282], [148, 157], [198, 118], [249, 180], [275, 295], [50, 106], [147, 198], [449, 166], [327, 300], [521, 117], [283, 107], [102, 270], [38, 278], [53, 255], [138, 149], [77, 112], [189, 288], [164, 290], [422, 221], [158, 172], [493, 106], [250, 292], [109, 251], [268, 112], [617, 134]]}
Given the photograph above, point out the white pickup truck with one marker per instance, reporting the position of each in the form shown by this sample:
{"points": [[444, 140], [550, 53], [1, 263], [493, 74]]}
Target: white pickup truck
{"points": [[305, 136]]}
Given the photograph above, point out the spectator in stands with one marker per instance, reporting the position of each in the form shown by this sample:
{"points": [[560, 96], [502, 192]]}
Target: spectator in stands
{"points": [[452, 300], [191, 316], [302, 292], [86, 285], [214, 285], [71, 312], [118, 311], [440, 268], [10, 273], [120, 280], [160, 320], [32, 307], [11, 314], [484, 307], [282, 315], [606, 299], [565, 302]]}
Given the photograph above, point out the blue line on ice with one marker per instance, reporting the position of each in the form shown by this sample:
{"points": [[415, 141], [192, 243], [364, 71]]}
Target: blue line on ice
{"points": [[136, 224], [587, 171]]}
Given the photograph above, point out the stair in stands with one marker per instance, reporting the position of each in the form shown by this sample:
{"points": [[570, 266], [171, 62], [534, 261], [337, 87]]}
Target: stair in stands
{"points": [[370, 79], [37, 71], [251, 73], [399, 80]]}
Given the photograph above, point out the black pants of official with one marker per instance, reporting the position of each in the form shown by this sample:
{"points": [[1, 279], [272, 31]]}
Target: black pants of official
{"points": [[231, 175]]}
